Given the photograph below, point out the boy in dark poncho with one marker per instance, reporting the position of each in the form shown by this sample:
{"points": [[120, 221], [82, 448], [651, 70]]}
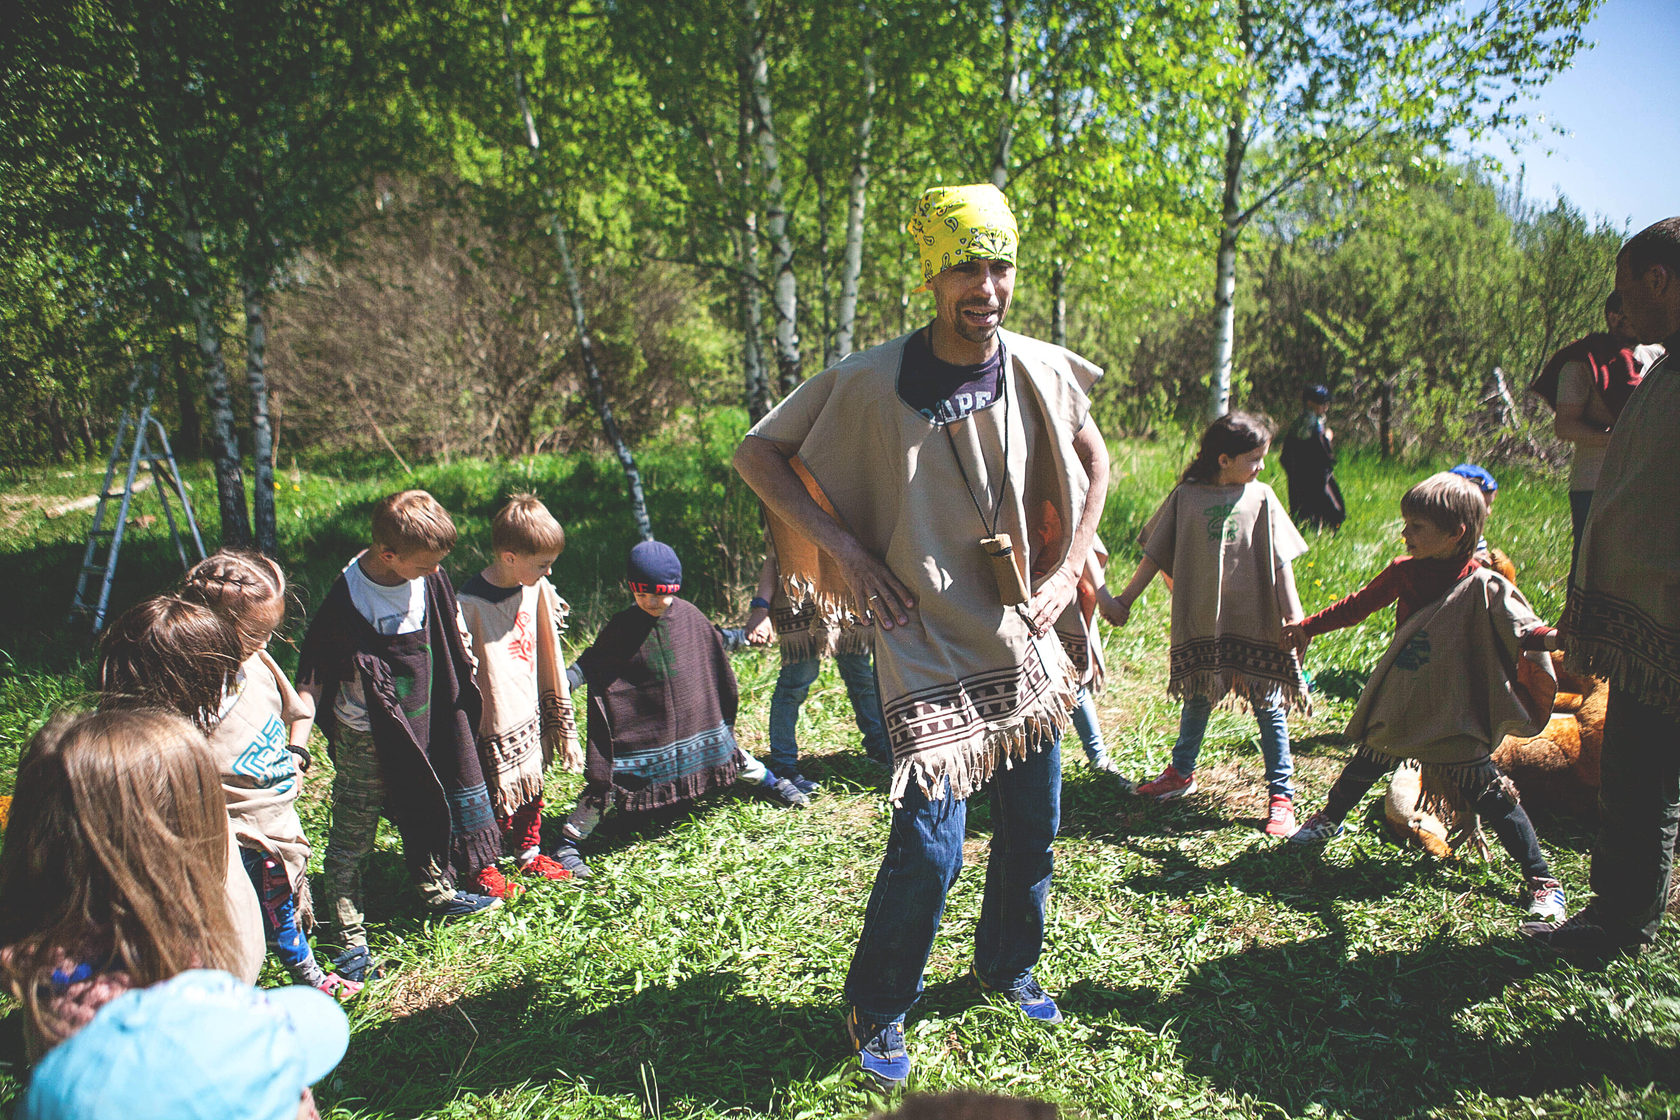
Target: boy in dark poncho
{"points": [[662, 703], [387, 663]]}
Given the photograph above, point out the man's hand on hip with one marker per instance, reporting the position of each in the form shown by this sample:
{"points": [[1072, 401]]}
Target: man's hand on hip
{"points": [[877, 589], [1051, 599]]}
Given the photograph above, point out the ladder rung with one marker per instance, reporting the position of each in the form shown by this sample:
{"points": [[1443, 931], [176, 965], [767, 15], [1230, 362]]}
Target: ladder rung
{"points": [[90, 569], [101, 532]]}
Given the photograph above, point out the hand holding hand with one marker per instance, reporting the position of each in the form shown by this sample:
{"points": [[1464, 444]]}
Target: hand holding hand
{"points": [[759, 630], [1295, 637], [1114, 611]]}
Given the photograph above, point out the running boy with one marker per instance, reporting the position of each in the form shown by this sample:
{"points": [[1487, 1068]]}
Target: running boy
{"points": [[1454, 681], [386, 661], [514, 618], [662, 705]]}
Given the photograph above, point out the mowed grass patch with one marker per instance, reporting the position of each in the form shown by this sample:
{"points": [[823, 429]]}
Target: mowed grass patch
{"points": [[1205, 969]]}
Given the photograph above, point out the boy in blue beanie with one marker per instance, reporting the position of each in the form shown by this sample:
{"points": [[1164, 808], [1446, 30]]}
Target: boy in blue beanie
{"points": [[662, 705]]}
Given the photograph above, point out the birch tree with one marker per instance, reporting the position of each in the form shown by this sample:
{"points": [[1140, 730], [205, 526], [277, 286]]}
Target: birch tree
{"points": [[574, 291], [1332, 92]]}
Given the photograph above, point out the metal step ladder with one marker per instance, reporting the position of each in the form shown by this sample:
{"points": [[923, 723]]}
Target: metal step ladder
{"points": [[140, 439]]}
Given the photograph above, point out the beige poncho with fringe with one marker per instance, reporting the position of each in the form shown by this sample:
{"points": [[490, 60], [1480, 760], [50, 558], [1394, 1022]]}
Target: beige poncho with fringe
{"points": [[1455, 681], [528, 715], [1224, 546], [965, 686], [1622, 621], [802, 633]]}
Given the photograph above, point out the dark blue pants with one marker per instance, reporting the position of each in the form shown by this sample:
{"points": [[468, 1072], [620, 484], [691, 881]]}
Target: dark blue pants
{"points": [[924, 855], [1638, 815]]}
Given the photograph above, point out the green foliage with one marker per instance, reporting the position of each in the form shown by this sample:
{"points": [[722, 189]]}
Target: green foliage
{"points": [[1205, 970], [1426, 290]]}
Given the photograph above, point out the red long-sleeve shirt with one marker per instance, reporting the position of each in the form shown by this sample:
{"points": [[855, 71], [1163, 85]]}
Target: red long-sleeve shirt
{"points": [[1409, 583]]}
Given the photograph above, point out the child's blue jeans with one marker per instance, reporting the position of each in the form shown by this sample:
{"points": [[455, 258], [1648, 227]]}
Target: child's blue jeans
{"points": [[793, 684], [1085, 723], [1274, 742]]}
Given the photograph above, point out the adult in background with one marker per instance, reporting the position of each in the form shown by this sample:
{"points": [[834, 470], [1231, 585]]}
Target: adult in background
{"points": [[1622, 622], [1309, 459], [892, 480], [1587, 384]]}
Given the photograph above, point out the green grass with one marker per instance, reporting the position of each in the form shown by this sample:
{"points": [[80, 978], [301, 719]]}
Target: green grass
{"points": [[1205, 970]]}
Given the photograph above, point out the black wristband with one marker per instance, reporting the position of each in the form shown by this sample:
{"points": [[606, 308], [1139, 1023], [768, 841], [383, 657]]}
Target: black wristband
{"points": [[759, 604]]}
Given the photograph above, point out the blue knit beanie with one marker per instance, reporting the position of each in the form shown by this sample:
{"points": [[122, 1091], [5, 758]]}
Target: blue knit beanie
{"points": [[654, 569]]}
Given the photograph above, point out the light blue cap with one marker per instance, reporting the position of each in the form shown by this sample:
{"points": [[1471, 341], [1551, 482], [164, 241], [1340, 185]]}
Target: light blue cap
{"points": [[199, 1046]]}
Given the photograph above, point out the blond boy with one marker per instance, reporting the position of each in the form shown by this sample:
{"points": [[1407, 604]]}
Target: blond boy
{"points": [[387, 662], [1454, 681], [515, 618]]}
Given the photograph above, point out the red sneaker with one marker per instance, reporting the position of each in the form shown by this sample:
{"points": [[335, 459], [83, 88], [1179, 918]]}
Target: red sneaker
{"points": [[1280, 821], [543, 867], [493, 883], [338, 987], [1169, 785]]}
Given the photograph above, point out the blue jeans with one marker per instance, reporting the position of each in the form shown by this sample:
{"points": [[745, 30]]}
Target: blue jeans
{"points": [[1085, 722], [924, 855], [794, 684], [1274, 742]]}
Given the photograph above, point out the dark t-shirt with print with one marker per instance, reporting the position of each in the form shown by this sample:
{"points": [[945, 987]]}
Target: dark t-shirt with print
{"points": [[943, 392]]}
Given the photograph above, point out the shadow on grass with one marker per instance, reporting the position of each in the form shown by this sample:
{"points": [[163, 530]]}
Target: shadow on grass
{"points": [[698, 1039], [1372, 1034]]}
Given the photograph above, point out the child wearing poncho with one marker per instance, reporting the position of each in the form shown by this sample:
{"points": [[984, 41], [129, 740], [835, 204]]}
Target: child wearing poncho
{"points": [[662, 706], [1227, 544], [1455, 679], [260, 738], [385, 660], [514, 618]]}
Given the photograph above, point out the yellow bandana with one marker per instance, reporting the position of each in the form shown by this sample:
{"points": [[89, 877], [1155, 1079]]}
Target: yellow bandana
{"points": [[953, 225]]}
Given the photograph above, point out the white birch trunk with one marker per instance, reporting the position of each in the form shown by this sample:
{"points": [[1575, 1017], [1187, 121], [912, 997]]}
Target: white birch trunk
{"points": [[224, 435], [1225, 273], [262, 432], [1011, 99], [784, 296], [752, 307], [851, 269], [574, 291]]}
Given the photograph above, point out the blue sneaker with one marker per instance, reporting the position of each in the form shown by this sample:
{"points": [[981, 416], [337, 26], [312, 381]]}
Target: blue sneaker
{"points": [[465, 904], [803, 784], [569, 858], [784, 793], [1035, 1003], [880, 1050], [357, 964]]}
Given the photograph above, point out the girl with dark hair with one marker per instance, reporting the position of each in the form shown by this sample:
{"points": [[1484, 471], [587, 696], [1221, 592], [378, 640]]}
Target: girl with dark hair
{"points": [[1226, 542]]}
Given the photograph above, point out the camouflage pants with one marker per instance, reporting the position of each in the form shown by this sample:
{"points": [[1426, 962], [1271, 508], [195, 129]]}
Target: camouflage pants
{"points": [[358, 795]]}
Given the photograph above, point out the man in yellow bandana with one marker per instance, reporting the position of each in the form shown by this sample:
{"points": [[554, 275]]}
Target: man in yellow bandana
{"points": [[938, 484]]}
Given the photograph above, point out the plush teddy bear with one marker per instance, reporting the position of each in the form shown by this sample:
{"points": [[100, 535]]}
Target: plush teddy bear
{"points": [[1555, 772]]}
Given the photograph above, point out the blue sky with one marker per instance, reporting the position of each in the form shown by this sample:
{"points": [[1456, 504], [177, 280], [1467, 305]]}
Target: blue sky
{"points": [[1619, 108]]}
